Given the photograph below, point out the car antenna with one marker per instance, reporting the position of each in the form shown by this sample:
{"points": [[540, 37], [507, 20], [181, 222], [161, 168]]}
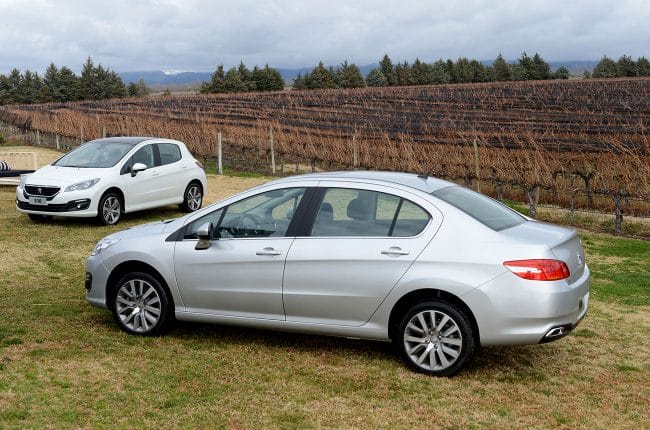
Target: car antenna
{"points": [[423, 176]]}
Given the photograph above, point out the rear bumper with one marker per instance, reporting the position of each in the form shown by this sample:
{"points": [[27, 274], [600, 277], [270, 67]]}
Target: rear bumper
{"points": [[513, 311]]}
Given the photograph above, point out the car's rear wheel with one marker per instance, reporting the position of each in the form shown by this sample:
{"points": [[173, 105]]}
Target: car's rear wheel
{"points": [[192, 198], [110, 209], [140, 304], [435, 338]]}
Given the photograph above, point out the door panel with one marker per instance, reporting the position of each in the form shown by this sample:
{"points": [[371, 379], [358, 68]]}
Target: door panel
{"points": [[234, 277], [342, 281]]}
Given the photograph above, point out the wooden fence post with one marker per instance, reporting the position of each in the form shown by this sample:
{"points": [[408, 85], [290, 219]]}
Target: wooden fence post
{"points": [[81, 133], [104, 132], [58, 142], [355, 151], [478, 167], [272, 151], [38, 138], [219, 154]]}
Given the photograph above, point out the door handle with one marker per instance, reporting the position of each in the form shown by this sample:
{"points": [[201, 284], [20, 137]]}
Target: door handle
{"points": [[268, 251], [154, 173], [395, 250]]}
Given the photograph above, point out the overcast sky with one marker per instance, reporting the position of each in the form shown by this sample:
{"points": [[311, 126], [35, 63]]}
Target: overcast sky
{"points": [[197, 35]]}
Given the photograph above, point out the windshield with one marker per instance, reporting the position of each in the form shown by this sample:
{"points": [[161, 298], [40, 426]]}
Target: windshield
{"points": [[483, 209], [94, 154]]}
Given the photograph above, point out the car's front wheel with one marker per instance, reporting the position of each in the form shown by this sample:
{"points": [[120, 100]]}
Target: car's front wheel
{"points": [[110, 209], [192, 198], [140, 304], [435, 338]]}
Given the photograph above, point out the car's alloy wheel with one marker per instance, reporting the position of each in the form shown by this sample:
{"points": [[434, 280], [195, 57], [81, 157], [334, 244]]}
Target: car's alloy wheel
{"points": [[193, 198], [435, 338], [110, 209], [140, 304]]}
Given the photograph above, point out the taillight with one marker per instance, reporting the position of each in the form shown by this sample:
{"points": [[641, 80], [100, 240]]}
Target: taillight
{"points": [[539, 270]]}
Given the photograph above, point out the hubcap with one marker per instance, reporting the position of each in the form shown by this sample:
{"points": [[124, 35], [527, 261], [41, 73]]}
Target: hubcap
{"points": [[138, 305], [111, 210], [433, 340], [194, 197]]}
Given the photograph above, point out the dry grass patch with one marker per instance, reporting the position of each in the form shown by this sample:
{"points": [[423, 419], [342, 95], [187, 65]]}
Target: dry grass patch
{"points": [[64, 363]]}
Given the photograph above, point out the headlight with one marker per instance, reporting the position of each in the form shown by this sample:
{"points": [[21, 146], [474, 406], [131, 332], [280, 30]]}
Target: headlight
{"points": [[81, 185], [103, 244], [23, 180]]}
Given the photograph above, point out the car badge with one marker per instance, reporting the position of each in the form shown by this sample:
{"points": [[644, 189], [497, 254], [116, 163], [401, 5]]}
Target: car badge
{"points": [[580, 258], [39, 190]]}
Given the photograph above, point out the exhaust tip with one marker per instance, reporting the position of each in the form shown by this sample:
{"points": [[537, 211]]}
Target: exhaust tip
{"points": [[557, 333]]}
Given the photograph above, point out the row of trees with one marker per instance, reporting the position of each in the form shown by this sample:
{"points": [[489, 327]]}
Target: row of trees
{"points": [[421, 73], [625, 67], [241, 79], [62, 85]]}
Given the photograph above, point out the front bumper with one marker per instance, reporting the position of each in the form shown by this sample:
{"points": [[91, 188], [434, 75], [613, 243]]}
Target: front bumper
{"points": [[71, 204], [96, 279], [513, 311]]}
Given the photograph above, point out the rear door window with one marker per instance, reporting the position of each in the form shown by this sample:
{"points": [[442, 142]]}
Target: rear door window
{"points": [[169, 153], [353, 213]]}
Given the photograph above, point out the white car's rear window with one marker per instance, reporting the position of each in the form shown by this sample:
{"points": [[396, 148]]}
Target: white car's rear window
{"points": [[483, 209]]}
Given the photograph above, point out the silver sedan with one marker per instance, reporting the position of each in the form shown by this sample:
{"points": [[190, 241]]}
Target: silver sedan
{"points": [[431, 266]]}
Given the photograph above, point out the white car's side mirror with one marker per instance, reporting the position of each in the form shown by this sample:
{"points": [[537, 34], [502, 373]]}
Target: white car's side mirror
{"points": [[138, 167]]}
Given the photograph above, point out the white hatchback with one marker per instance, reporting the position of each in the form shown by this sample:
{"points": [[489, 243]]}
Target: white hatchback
{"points": [[105, 178]]}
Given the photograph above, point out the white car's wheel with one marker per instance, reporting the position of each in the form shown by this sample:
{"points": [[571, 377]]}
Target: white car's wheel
{"points": [[192, 198], [109, 210]]}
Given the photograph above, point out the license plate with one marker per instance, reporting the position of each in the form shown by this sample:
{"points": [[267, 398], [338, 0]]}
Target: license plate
{"points": [[37, 201]]}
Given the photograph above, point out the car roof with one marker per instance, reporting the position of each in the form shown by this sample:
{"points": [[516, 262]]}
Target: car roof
{"points": [[125, 140], [424, 183]]}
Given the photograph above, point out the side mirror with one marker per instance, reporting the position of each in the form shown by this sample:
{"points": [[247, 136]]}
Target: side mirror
{"points": [[204, 234], [137, 167]]}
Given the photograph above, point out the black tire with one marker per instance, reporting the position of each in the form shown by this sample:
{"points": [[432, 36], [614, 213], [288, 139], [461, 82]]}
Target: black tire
{"points": [[140, 304], [192, 197], [442, 346], [39, 218], [110, 209]]}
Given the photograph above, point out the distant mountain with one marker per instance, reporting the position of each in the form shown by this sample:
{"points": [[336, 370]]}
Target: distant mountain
{"points": [[160, 79]]}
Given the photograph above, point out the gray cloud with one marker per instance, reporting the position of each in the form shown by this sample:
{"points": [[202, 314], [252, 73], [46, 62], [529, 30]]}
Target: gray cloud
{"points": [[197, 35]]}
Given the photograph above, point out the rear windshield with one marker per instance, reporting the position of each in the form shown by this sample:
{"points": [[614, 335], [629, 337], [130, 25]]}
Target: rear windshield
{"points": [[483, 209]]}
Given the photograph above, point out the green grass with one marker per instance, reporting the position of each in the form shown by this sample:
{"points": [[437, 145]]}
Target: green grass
{"points": [[65, 364]]}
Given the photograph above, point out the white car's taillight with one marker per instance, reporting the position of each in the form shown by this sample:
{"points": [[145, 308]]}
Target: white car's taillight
{"points": [[539, 269]]}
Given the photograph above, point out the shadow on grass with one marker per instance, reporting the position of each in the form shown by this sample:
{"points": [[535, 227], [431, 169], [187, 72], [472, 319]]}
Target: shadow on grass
{"points": [[509, 363]]}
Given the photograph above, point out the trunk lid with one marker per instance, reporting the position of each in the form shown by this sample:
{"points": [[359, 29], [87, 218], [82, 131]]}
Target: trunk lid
{"points": [[562, 242]]}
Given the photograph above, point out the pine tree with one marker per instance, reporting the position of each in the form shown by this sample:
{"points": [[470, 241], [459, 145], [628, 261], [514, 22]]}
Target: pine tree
{"points": [[349, 76], [643, 65], [627, 67], [403, 74], [502, 70], [299, 83], [606, 68], [216, 84], [70, 87], [561, 73], [541, 67], [375, 78], [386, 67]]}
